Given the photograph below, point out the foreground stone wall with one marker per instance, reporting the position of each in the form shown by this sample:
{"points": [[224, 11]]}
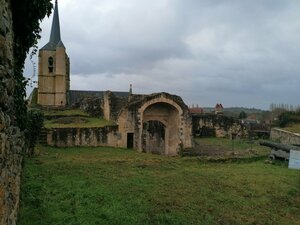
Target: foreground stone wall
{"points": [[70, 137], [285, 137], [11, 139]]}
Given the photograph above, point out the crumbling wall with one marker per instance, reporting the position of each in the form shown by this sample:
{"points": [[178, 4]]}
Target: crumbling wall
{"points": [[217, 125], [163, 107], [285, 137], [92, 137], [11, 139], [153, 137], [112, 105], [92, 105]]}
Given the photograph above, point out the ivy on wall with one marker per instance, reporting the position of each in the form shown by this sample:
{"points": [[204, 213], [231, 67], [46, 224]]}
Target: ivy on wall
{"points": [[27, 15]]}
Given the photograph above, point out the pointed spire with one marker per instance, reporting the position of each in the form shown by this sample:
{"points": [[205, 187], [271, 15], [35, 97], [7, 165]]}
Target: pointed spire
{"points": [[55, 39], [55, 29], [130, 89]]}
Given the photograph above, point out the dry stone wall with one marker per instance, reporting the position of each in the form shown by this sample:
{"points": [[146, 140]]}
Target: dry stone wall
{"points": [[217, 125], [11, 139], [285, 137]]}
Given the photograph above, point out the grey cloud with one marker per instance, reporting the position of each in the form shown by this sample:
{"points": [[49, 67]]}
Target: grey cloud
{"points": [[236, 52]]}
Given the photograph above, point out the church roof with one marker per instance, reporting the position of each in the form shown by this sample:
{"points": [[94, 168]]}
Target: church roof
{"points": [[55, 39], [76, 96]]}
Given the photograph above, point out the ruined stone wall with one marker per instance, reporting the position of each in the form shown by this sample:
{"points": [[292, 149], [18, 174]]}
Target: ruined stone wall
{"points": [[167, 109], [92, 137], [92, 105], [285, 137], [107, 105], [127, 122], [11, 139], [112, 105], [217, 125]]}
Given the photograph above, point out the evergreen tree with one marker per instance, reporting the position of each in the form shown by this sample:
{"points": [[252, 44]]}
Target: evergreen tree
{"points": [[242, 115]]}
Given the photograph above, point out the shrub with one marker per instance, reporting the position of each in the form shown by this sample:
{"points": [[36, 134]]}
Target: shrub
{"points": [[287, 118], [283, 119], [35, 120], [242, 115]]}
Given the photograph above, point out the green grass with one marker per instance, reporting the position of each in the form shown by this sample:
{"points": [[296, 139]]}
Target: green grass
{"points": [[89, 122], [66, 112], [228, 147], [295, 128], [238, 144], [117, 186]]}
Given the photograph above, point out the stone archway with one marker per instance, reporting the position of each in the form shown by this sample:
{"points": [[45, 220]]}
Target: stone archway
{"points": [[159, 123], [160, 131]]}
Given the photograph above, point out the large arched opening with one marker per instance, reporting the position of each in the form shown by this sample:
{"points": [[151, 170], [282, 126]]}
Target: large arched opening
{"points": [[160, 128]]}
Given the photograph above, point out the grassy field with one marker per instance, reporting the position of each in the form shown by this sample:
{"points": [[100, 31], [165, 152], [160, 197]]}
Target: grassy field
{"points": [[295, 128], [118, 186], [74, 122], [72, 118], [225, 147], [66, 112]]}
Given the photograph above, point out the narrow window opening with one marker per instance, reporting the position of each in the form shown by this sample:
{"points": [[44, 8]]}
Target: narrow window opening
{"points": [[50, 64]]}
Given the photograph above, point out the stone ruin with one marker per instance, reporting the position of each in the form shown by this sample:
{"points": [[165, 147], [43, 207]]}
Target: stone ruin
{"points": [[158, 123]]}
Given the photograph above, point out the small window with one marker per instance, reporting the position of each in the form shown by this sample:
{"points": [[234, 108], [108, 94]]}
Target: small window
{"points": [[50, 64]]}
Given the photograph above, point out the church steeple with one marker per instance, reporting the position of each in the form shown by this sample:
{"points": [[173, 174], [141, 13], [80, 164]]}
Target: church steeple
{"points": [[54, 69], [55, 39]]}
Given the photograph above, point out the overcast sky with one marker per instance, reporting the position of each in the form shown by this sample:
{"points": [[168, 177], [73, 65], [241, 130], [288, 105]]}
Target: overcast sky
{"points": [[238, 53]]}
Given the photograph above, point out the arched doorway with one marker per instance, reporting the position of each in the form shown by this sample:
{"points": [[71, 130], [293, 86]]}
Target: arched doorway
{"points": [[160, 129]]}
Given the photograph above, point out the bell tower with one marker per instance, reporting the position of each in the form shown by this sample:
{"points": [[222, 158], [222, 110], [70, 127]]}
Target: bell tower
{"points": [[54, 69]]}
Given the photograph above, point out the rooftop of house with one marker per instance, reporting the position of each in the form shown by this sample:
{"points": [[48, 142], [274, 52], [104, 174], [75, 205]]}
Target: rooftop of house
{"points": [[76, 96], [219, 106], [196, 110]]}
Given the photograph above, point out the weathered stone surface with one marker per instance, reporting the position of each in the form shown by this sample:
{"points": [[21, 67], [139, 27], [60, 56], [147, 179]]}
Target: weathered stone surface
{"points": [[218, 126], [53, 85], [112, 105], [285, 137], [69, 137], [11, 139], [92, 105], [157, 123]]}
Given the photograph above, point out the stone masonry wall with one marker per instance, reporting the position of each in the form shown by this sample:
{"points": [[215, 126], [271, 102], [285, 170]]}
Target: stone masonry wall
{"points": [[217, 125], [11, 140], [285, 137], [70, 137]]}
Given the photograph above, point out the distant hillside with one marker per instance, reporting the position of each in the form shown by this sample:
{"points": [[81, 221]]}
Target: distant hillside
{"points": [[256, 113], [235, 111], [246, 110]]}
